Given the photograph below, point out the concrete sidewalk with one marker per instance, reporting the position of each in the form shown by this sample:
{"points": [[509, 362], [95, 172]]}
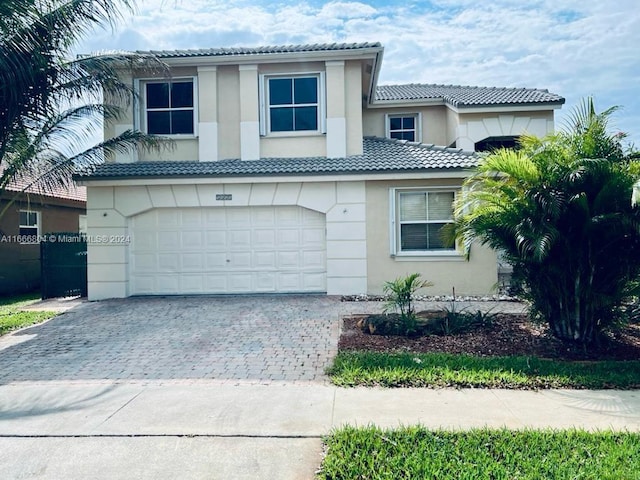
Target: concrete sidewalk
{"points": [[210, 429]]}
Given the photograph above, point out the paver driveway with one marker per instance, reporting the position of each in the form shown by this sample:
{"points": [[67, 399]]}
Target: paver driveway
{"points": [[245, 338]]}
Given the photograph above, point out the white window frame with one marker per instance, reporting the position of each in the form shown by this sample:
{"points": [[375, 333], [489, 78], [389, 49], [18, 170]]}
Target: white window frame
{"points": [[263, 91], [140, 116], [417, 124], [394, 223], [37, 226]]}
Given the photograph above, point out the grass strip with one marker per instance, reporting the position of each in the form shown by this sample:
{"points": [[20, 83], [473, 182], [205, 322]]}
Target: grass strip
{"points": [[12, 317], [416, 452], [439, 370]]}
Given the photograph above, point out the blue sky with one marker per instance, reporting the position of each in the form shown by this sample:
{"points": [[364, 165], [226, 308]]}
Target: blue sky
{"points": [[576, 48]]}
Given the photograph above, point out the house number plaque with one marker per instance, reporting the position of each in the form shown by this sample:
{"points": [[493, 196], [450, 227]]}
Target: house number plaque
{"points": [[223, 196]]}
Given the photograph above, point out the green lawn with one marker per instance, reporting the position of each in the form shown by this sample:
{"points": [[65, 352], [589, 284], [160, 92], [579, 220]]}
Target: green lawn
{"points": [[416, 453], [12, 318], [444, 370]]}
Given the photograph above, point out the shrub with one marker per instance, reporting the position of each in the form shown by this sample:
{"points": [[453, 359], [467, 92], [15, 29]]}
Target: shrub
{"points": [[401, 292]]}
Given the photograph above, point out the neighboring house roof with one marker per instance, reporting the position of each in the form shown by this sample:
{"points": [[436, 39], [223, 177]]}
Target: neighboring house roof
{"points": [[71, 192], [220, 52], [379, 155], [465, 96]]}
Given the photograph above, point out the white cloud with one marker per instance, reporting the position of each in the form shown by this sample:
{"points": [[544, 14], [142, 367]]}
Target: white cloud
{"points": [[574, 47], [341, 10]]}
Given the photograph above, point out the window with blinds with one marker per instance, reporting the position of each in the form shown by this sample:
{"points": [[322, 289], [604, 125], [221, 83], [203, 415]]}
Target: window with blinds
{"points": [[421, 217]]}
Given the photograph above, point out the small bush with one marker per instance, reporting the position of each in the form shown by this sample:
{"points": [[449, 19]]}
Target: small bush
{"points": [[400, 294], [460, 321]]}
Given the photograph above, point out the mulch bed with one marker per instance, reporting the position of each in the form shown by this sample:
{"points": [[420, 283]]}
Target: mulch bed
{"points": [[508, 335]]}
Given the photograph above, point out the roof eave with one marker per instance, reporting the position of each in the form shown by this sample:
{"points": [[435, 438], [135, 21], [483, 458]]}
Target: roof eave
{"points": [[273, 57], [454, 172], [427, 102], [506, 107]]}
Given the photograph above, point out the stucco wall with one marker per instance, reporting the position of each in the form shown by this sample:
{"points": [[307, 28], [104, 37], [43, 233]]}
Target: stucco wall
{"points": [[228, 109], [228, 112], [353, 107], [294, 146], [453, 123], [474, 127], [433, 122], [474, 277], [109, 210]]}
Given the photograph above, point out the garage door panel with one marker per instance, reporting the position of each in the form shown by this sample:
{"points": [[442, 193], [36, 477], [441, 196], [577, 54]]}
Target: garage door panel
{"points": [[240, 282], [228, 250], [147, 241], [239, 260], [288, 216], [168, 262], [264, 260], [239, 239], [313, 260], [313, 281], [149, 220], [288, 281], [311, 217], [288, 260], [264, 238], [214, 217], [167, 218], [266, 282], [263, 217], [144, 285], [216, 261], [238, 216], [191, 218], [215, 283], [288, 237], [192, 240], [313, 237], [192, 262], [168, 241], [168, 283], [192, 284], [145, 262], [216, 239]]}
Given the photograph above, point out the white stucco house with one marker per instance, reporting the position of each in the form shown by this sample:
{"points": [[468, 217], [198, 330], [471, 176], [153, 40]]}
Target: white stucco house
{"points": [[294, 171]]}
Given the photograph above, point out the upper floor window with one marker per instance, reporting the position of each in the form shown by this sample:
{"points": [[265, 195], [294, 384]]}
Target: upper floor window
{"points": [[30, 224], [169, 107], [420, 216], [404, 127], [292, 103]]}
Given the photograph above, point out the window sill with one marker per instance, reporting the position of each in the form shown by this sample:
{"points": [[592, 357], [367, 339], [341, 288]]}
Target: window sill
{"points": [[304, 133], [450, 256], [181, 136]]}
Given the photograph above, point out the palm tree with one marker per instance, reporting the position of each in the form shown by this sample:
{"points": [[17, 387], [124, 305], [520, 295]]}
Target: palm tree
{"points": [[48, 104], [560, 209]]}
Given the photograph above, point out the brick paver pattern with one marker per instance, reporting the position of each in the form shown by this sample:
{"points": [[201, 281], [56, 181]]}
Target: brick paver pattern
{"points": [[261, 338], [234, 338]]}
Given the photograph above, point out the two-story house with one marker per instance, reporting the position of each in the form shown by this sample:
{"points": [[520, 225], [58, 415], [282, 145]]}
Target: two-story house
{"points": [[293, 171]]}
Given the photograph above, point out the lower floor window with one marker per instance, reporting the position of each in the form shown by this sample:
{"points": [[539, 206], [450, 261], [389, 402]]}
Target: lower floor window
{"points": [[420, 218], [29, 223]]}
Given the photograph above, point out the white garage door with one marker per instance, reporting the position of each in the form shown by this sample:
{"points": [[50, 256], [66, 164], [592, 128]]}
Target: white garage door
{"points": [[227, 250]]}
